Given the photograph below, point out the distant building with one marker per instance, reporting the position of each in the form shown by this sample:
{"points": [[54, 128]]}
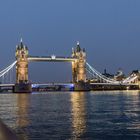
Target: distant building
{"points": [[136, 73], [119, 76], [108, 74]]}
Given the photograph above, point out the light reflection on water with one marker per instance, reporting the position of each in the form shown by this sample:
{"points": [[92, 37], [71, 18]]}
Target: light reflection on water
{"points": [[73, 115], [78, 113], [23, 103]]}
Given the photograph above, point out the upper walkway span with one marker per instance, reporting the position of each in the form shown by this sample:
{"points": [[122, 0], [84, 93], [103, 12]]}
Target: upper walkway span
{"points": [[52, 58]]}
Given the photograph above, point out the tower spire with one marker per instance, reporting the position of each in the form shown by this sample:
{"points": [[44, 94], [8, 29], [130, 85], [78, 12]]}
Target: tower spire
{"points": [[21, 40], [78, 49], [78, 43]]}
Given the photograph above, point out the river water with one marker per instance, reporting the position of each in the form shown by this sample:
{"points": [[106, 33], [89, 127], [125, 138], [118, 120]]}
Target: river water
{"points": [[73, 115]]}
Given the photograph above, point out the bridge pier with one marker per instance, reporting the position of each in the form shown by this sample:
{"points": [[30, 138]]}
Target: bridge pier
{"points": [[81, 86], [22, 88]]}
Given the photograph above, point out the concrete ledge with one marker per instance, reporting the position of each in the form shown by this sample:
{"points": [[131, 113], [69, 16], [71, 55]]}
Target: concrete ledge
{"points": [[6, 133]]}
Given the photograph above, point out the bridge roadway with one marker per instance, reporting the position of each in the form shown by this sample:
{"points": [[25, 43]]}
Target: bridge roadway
{"points": [[68, 84], [7, 85], [52, 58], [112, 84], [53, 84]]}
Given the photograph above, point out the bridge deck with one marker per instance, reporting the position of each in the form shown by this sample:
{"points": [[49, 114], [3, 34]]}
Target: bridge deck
{"points": [[7, 85], [109, 84], [66, 84]]}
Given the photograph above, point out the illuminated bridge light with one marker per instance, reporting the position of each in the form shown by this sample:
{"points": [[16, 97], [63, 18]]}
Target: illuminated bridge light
{"points": [[71, 85], [35, 85], [53, 57]]}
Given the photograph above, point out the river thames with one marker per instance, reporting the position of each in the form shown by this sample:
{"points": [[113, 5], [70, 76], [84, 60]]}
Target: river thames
{"points": [[73, 115]]}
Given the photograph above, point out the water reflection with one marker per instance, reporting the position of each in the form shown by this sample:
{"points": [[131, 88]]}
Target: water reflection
{"points": [[22, 120], [78, 101], [22, 112], [77, 115], [8, 109]]}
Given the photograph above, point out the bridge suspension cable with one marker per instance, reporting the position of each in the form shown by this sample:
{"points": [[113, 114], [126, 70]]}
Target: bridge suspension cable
{"points": [[6, 72], [94, 73], [98, 75], [130, 79], [7, 69]]}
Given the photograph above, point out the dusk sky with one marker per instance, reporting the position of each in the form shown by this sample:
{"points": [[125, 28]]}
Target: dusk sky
{"points": [[109, 30]]}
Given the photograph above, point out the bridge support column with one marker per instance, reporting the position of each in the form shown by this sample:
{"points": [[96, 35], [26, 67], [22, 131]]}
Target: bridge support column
{"points": [[22, 83], [79, 69], [81, 86], [22, 88]]}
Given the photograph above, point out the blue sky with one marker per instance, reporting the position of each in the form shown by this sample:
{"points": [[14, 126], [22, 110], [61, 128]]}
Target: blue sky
{"points": [[108, 29]]}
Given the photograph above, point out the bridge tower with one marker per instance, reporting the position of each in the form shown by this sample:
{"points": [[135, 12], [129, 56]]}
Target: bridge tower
{"points": [[22, 83], [79, 68], [79, 65]]}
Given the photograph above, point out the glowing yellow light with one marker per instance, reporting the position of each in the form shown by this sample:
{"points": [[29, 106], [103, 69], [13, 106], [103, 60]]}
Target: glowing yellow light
{"points": [[78, 113]]}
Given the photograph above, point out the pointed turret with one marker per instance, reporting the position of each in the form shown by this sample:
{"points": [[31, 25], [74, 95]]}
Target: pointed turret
{"points": [[78, 49], [21, 50], [21, 44], [21, 40], [78, 43]]}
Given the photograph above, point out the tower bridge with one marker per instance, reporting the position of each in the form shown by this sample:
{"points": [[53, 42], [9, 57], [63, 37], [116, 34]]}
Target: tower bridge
{"points": [[78, 60], [81, 69]]}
